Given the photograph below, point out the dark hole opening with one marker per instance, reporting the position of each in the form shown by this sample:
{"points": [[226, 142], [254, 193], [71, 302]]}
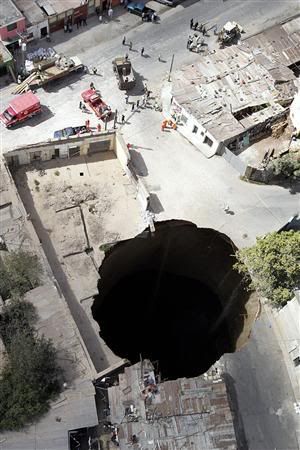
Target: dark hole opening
{"points": [[175, 323], [173, 296]]}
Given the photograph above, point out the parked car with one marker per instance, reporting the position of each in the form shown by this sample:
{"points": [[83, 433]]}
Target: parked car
{"points": [[141, 10], [69, 131], [169, 2]]}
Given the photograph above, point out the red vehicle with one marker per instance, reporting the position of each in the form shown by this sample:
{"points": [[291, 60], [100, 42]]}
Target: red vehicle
{"points": [[21, 108], [93, 99]]}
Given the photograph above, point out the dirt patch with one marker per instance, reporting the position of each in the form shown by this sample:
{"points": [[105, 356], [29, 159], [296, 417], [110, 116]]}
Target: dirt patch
{"points": [[76, 205]]}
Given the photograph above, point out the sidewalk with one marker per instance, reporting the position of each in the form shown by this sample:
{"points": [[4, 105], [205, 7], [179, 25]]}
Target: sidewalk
{"points": [[286, 329], [81, 39]]}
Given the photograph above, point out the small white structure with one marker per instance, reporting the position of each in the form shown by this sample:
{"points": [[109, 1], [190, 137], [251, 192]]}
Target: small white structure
{"points": [[295, 112], [37, 25]]}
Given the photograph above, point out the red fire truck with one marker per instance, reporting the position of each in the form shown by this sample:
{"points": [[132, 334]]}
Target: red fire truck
{"points": [[21, 108]]}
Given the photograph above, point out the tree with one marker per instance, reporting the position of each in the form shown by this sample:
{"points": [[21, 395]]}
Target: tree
{"points": [[31, 377], [286, 165], [20, 272], [273, 266]]}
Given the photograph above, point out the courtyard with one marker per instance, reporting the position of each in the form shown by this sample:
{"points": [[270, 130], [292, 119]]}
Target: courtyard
{"points": [[76, 206]]}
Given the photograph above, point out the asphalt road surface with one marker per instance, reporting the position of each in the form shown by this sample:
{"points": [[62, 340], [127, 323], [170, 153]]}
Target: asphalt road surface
{"points": [[259, 383]]}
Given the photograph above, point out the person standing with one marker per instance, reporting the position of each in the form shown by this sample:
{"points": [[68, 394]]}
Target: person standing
{"points": [[126, 98], [191, 24], [84, 21], [80, 105], [137, 103], [130, 45], [196, 26], [159, 57], [123, 118], [94, 70], [142, 51], [124, 40], [98, 127], [132, 107]]}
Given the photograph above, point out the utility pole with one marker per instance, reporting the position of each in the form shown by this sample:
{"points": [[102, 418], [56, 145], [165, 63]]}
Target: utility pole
{"points": [[171, 67], [115, 118]]}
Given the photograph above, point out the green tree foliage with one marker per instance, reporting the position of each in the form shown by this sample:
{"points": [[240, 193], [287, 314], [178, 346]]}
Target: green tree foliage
{"points": [[31, 377], [273, 266], [20, 272], [287, 165]]}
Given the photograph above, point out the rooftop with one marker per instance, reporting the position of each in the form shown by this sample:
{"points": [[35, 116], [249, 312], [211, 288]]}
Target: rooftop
{"points": [[5, 55], [281, 43], [9, 13], [194, 412], [31, 11], [57, 6], [75, 406], [224, 83]]}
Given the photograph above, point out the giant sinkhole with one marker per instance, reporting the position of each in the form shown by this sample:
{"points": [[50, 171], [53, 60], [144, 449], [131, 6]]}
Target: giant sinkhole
{"points": [[173, 296]]}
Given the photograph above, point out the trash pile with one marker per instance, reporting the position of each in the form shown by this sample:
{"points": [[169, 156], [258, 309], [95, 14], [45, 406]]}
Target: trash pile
{"points": [[41, 53]]}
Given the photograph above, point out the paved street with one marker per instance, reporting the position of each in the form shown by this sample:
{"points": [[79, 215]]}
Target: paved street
{"points": [[183, 183], [258, 382]]}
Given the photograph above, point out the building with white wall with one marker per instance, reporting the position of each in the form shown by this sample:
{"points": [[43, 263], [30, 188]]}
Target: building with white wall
{"points": [[229, 99], [36, 20]]}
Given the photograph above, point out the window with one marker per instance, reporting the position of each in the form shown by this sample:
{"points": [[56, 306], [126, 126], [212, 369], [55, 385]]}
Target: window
{"points": [[183, 119], [208, 141], [195, 129], [12, 26]]}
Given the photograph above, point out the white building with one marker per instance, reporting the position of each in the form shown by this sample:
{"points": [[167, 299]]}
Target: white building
{"points": [[37, 25], [229, 99]]}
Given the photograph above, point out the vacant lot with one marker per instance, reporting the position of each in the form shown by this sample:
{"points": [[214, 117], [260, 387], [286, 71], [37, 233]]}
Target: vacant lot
{"points": [[77, 205]]}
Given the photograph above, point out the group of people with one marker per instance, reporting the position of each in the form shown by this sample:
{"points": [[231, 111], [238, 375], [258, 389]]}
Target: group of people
{"points": [[197, 27], [130, 47]]}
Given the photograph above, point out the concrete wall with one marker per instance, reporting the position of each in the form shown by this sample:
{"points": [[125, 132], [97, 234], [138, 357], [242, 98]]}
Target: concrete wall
{"points": [[233, 160], [5, 35], [186, 127], [36, 29], [123, 155], [61, 147], [82, 145]]}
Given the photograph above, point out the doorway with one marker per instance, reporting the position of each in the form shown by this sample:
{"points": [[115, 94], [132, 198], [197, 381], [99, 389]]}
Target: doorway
{"points": [[44, 32]]}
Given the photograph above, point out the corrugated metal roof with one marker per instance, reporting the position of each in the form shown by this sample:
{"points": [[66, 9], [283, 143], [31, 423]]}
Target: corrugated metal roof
{"points": [[226, 82], [189, 414], [281, 43]]}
